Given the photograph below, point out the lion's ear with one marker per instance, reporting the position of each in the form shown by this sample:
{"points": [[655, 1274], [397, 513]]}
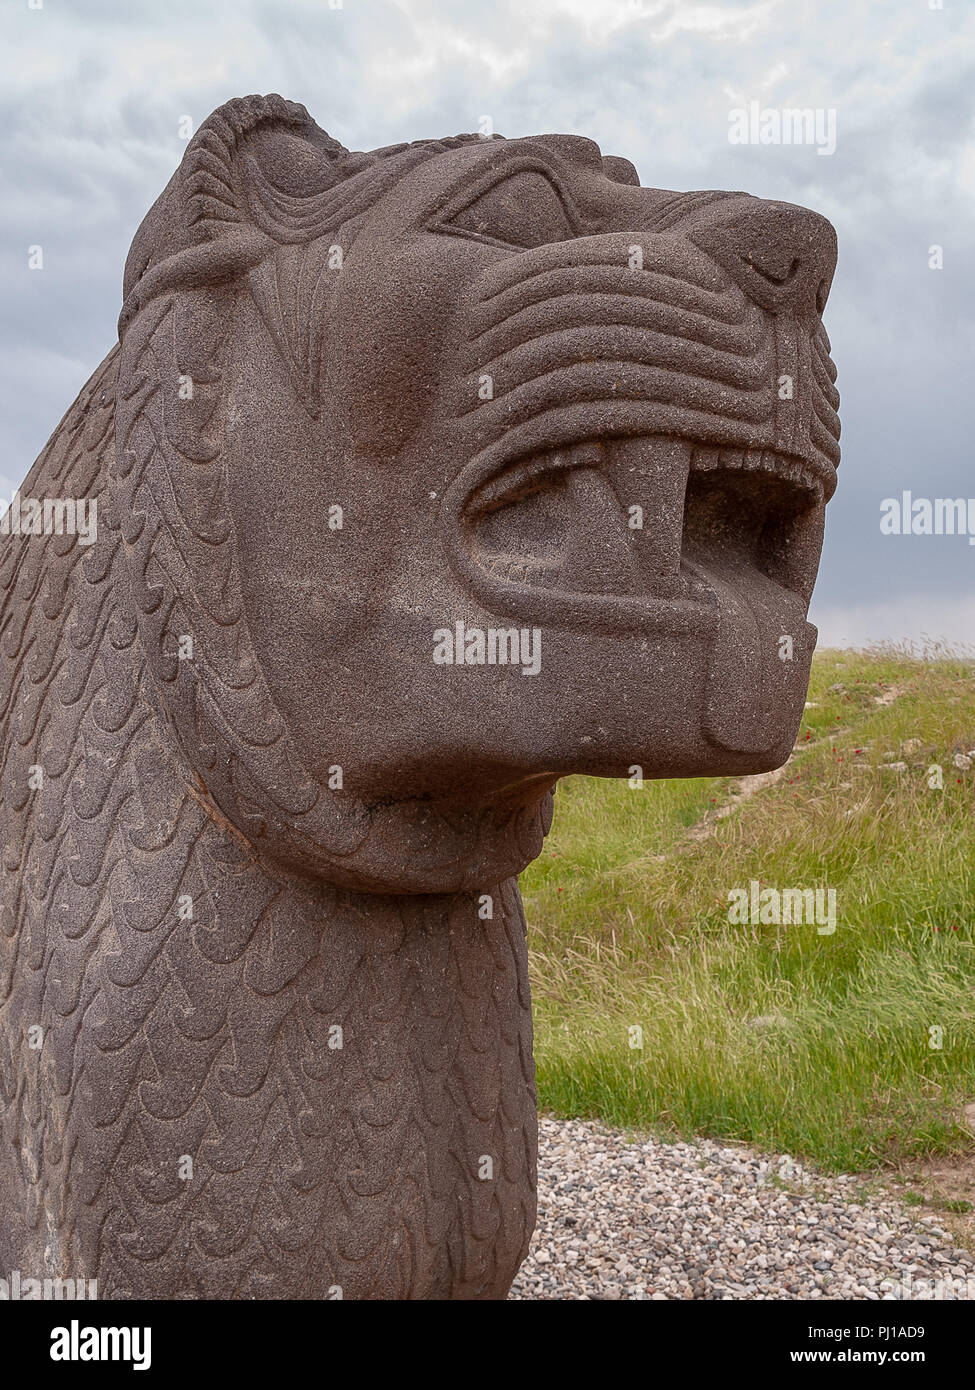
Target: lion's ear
{"points": [[254, 175]]}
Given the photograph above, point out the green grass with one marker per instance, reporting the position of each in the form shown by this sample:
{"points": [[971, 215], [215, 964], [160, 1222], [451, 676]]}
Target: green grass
{"points": [[628, 927]]}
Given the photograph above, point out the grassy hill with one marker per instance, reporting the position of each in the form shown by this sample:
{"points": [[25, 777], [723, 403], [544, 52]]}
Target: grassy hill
{"points": [[825, 1046]]}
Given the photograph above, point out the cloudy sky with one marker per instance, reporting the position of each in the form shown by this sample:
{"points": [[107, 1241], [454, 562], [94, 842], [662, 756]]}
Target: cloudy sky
{"points": [[94, 95]]}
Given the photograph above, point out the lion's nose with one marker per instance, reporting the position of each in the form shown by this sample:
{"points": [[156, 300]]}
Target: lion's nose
{"points": [[781, 255]]}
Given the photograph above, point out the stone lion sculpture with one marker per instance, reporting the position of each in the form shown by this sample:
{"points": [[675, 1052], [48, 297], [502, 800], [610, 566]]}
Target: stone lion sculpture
{"points": [[424, 478]]}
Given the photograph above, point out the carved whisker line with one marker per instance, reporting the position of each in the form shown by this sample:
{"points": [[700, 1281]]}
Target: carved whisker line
{"points": [[623, 347], [612, 309]]}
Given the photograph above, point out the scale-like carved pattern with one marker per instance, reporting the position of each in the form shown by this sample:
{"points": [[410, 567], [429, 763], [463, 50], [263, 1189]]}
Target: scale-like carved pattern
{"points": [[315, 1167]]}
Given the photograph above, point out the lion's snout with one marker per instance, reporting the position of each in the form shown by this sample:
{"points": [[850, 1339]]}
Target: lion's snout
{"points": [[781, 255]]}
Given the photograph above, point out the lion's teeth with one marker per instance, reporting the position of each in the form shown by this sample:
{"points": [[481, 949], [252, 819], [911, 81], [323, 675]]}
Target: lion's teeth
{"points": [[516, 569], [706, 458], [507, 485], [703, 458], [620, 505]]}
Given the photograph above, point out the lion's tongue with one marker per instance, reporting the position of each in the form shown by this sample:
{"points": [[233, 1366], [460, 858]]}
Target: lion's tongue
{"points": [[760, 658]]}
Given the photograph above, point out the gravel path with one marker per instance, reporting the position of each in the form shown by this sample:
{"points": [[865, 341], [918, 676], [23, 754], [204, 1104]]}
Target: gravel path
{"points": [[620, 1219]]}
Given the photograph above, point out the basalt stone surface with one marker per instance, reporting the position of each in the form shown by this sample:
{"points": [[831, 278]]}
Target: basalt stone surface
{"points": [[424, 478]]}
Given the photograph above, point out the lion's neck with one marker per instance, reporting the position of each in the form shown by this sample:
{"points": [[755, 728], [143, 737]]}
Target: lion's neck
{"points": [[287, 1091]]}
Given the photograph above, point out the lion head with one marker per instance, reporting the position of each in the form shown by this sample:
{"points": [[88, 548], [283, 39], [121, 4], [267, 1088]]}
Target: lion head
{"points": [[425, 477], [491, 388]]}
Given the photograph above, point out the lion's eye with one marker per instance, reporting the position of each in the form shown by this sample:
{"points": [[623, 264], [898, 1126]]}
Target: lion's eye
{"points": [[524, 210]]}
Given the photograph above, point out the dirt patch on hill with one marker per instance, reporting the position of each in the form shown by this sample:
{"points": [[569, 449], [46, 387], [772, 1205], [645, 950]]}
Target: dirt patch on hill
{"points": [[747, 786]]}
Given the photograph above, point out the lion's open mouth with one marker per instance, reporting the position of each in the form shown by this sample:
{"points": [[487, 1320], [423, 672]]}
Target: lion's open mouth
{"points": [[609, 528], [656, 534]]}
